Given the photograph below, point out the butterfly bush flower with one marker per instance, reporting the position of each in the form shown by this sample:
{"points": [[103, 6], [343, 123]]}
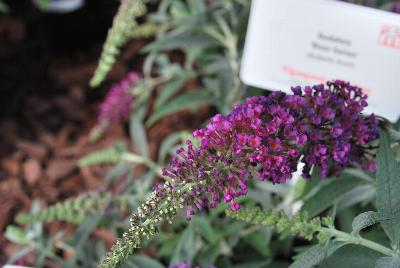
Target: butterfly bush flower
{"points": [[265, 138], [116, 105]]}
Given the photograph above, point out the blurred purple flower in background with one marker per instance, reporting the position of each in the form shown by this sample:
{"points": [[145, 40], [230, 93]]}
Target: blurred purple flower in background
{"points": [[116, 106]]}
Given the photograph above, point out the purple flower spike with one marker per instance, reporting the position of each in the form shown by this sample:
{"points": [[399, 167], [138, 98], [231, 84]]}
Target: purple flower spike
{"points": [[266, 137], [116, 105]]}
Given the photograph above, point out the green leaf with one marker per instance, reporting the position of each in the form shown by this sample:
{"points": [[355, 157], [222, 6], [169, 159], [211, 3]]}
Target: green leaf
{"points": [[259, 240], [303, 188], [203, 226], [16, 235], [3, 7], [233, 228], [81, 236], [142, 261], [330, 193], [179, 10], [388, 262], [169, 89], [188, 100], [197, 6], [85, 228], [138, 134], [359, 173], [185, 249], [167, 144], [364, 220], [352, 256], [208, 254], [168, 246], [257, 264], [315, 255], [277, 264], [118, 171], [360, 194], [388, 189], [43, 4], [186, 40]]}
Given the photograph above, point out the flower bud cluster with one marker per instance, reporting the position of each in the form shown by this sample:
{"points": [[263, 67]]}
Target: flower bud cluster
{"points": [[297, 225], [162, 205], [72, 210]]}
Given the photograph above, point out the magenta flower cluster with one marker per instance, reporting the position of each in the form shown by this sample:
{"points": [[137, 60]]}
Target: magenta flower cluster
{"points": [[266, 137], [187, 265], [116, 105]]}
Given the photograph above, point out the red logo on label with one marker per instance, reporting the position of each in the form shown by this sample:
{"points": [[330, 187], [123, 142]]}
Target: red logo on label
{"points": [[390, 36]]}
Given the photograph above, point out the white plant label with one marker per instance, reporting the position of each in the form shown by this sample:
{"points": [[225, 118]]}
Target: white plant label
{"points": [[305, 42]]}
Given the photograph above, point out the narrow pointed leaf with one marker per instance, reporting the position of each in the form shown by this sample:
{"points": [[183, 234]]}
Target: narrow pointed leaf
{"points": [[188, 100]]}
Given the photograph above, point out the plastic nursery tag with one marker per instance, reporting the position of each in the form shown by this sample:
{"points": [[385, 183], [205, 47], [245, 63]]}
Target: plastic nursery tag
{"points": [[305, 42]]}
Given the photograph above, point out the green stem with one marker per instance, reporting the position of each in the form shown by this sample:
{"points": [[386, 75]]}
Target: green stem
{"points": [[358, 240], [182, 192], [134, 158]]}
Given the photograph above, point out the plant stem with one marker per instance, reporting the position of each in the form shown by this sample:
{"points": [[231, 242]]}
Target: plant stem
{"points": [[134, 158], [182, 192], [357, 240]]}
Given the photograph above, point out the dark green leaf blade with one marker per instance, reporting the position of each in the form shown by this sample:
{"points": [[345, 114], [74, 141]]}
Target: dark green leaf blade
{"points": [[328, 194], [185, 249], [138, 134], [315, 255], [352, 256], [188, 100], [142, 261], [170, 88]]}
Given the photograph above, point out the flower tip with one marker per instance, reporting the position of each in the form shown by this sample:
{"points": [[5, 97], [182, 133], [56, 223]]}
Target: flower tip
{"points": [[235, 206]]}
